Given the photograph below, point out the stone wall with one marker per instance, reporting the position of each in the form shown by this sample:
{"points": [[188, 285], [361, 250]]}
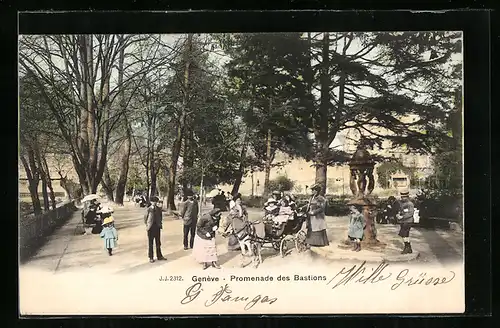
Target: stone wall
{"points": [[34, 229]]}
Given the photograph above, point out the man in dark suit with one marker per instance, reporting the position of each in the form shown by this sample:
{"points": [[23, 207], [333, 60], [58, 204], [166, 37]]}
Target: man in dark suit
{"points": [[153, 221], [189, 215]]}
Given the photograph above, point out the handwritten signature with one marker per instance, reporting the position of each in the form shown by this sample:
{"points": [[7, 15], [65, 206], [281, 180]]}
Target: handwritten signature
{"points": [[223, 295], [360, 274]]}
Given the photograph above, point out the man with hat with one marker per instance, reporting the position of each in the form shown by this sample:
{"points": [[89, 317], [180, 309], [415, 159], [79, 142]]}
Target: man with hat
{"points": [[189, 215], [153, 221], [316, 225], [405, 219]]}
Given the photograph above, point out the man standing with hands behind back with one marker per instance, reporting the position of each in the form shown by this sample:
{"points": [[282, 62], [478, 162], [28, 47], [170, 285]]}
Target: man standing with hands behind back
{"points": [[189, 215], [153, 220]]}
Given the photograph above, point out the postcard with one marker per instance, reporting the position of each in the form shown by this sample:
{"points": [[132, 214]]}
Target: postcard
{"points": [[241, 173]]}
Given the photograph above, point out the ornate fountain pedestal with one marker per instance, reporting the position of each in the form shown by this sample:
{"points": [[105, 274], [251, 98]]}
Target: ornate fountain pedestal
{"points": [[362, 183]]}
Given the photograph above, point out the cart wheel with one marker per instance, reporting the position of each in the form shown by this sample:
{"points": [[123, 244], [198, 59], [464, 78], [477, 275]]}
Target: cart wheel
{"points": [[284, 247], [300, 241]]}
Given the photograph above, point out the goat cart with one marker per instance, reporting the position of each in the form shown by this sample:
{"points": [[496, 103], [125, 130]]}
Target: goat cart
{"points": [[278, 232]]}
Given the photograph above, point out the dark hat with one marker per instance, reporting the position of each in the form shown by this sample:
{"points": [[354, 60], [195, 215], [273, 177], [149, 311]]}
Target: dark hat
{"points": [[154, 199], [215, 211], [358, 207], [316, 186]]}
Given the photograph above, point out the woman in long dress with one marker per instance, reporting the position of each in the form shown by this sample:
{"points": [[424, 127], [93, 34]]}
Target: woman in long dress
{"points": [[316, 225], [204, 249], [237, 210]]}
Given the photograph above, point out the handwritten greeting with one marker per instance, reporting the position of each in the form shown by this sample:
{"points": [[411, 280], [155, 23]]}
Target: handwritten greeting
{"points": [[360, 274], [224, 294]]}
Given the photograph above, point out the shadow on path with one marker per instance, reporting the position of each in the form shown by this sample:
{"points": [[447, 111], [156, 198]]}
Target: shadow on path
{"points": [[226, 257], [442, 250]]}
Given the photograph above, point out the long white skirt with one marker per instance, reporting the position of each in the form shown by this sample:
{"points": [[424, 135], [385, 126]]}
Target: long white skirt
{"points": [[204, 250]]}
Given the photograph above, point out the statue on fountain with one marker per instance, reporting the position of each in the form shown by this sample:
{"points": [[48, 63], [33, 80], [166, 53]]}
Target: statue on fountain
{"points": [[361, 167], [362, 183]]}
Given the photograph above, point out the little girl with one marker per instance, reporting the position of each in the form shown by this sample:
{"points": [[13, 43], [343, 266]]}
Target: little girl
{"points": [[109, 234], [356, 226]]}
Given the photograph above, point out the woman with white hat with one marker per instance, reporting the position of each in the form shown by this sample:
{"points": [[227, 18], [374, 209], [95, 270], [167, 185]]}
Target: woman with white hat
{"points": [[316, 225]]}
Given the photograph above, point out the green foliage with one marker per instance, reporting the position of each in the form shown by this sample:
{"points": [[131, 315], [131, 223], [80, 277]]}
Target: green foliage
{"points": [[281, 183], [263, 71], [336, 206], [213, 136], [386, 169], [396, 68], [136, 179], [447, 173]]}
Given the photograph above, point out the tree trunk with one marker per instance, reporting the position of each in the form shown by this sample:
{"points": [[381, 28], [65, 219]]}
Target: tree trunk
{"points": [[322, 124], [35, 199], [173, 171], [82, 176], [33, 181], [321, 176], [241, 169], [43, 175], [268, 164], [122, 178], [188, 159], [180, 128], [45, 195], [154, 176], [127, 145], [202, 194], [52, 196], [64, 184], [107, 185]]}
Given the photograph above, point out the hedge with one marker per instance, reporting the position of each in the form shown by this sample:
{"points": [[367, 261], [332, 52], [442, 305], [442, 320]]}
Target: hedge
{"points": [[336, 205]]}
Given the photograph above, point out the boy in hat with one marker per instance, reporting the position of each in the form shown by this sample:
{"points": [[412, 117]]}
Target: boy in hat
{"points": [[153, 221], [405, 219]]}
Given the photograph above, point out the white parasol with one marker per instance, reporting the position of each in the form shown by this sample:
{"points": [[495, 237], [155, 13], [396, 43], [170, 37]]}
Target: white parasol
{"points": [[105, 209], [213, 193], [90, 197]]}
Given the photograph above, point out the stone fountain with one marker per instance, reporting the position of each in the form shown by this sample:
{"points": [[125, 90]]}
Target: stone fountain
{"points": [[362, 183]]}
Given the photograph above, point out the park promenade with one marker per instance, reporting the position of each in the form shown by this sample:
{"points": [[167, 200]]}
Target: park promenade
{"points": [[67, 249]]}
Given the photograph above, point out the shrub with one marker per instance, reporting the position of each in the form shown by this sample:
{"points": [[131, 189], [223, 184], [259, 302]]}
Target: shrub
{"points": [[253, 201], [440, 203], [282, 183], [336, 205]]}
